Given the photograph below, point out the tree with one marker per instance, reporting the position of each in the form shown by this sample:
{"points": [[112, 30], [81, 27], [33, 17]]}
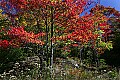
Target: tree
{"points": [[112, 34], [59, 19]]}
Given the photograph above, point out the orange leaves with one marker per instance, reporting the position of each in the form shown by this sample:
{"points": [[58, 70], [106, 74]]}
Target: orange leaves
{"points": [[65, 15], [19, 36], [75, 45], [79, 35], [82, 29]]}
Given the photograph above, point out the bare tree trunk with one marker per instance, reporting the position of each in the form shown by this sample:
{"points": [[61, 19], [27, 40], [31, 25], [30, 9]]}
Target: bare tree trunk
{"points": [[47, 30], [51, 55]]}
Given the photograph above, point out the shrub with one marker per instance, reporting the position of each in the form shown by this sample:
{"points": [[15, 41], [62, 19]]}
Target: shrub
{"points": [[9, 56]]}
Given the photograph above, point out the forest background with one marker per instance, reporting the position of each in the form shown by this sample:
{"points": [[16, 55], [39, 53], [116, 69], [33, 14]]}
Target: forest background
{"points": [[59, 39]]}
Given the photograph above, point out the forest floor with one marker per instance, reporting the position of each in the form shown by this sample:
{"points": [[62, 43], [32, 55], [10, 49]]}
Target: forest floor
{"points": [[63, 69]]}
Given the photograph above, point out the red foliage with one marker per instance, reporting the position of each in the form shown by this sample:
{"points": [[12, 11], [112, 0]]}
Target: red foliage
{"points": [[19, 36], [113, 17], [65, 15], [75, 45], [4, 43]]}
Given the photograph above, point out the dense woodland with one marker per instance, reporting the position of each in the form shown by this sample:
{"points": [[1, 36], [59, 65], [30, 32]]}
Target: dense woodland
{"points": [[59, 40]]}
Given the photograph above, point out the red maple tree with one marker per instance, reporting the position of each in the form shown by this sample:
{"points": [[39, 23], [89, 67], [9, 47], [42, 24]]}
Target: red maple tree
{"points": [[64, 17]]}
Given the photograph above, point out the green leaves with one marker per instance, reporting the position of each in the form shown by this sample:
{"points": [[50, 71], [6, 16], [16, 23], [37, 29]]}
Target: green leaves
{"points": [[102, 44], [99, 32], [107, 45]]}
